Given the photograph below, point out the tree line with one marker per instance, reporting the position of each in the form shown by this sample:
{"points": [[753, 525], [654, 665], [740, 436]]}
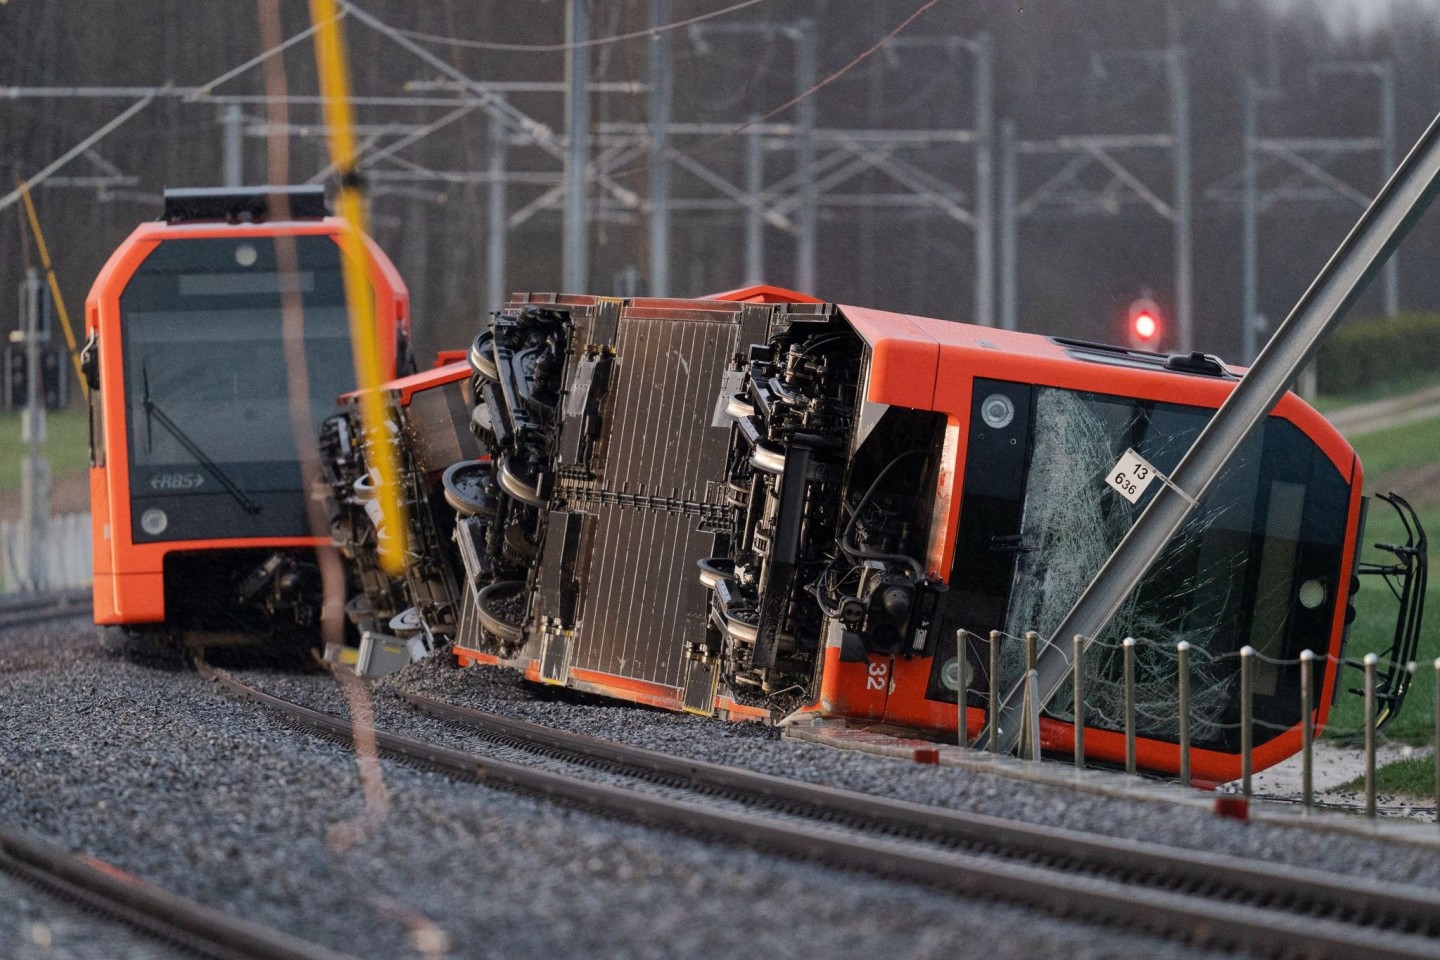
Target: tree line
{"points": [[1060, 68]]}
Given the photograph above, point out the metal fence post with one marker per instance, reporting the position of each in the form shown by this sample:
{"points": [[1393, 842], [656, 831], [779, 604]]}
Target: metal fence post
{"points": [[1307, 729], [1437, 741], [1182, 668], [1031, 643], [992, 709], [1370, 661], [1079, 667], [1247, 710], [1129, 647]]}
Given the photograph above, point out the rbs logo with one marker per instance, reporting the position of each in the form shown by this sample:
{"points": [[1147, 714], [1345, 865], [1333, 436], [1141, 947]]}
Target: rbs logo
{"points": [[176, 481]]}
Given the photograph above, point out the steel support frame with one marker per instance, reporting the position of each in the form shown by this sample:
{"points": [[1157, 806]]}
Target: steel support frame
{"points": [[1064, 190], [1310, 182], [795, 203]]}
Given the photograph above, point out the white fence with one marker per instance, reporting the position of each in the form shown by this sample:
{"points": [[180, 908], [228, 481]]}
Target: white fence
{"points": [[64, 555]]}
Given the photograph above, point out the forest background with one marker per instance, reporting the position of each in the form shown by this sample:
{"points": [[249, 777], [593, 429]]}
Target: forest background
{"points": [[1060, 68]]}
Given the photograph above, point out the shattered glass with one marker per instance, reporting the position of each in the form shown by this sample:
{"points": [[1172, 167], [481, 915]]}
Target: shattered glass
{"points": [[1072, 523]]}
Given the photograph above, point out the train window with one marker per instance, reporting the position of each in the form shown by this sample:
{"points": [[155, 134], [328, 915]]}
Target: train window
{"points": [[211, 427], [1037, 522]]}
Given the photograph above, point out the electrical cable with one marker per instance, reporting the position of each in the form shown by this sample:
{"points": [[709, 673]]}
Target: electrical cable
{"points": [[562, 47], [831, 78], [854, 551]]}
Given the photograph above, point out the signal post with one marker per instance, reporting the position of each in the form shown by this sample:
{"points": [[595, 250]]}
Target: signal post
{"points": [[32, 334]]}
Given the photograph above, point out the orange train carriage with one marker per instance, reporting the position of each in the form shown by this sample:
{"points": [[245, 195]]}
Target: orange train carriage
{"points": [[765, 506], [197, 498], [400, 618]]}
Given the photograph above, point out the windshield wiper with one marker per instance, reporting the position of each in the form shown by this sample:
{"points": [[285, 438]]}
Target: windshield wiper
{"points": [[153, 412]]}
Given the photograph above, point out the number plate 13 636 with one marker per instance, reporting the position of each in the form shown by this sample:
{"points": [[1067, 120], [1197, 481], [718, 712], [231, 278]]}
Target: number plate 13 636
{"points": [[1131, 476]]}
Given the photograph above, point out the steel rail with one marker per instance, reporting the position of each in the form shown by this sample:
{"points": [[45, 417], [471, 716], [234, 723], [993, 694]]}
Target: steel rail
{"points": [[30, 610], [1153, 904], [108, 890], [1405, 907]]}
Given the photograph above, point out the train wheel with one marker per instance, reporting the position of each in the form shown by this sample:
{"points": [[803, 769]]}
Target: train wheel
{"points": [[499, 617], [482, 360], [520, 487], [467, 488]]}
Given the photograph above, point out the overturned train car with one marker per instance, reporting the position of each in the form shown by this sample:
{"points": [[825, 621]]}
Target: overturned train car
{"points": [[790, 509], [403, 615]]}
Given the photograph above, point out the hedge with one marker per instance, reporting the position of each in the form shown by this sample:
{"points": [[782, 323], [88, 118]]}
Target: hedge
{"points": [[1366, 352]]}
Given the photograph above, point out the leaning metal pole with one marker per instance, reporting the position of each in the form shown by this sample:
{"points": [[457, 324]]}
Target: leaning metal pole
{"points": [[809, 212], [575, 269], [661, 98], [1358, 260], [984, 182]]}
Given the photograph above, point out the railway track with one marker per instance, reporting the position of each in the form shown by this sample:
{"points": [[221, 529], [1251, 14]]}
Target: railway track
{"points": [[192, 927], [1194, 896], [104, 889], [25, 610]]}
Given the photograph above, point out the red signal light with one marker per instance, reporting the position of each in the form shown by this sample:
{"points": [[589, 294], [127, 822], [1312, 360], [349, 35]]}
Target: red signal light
{"points": [[1145, 323]]}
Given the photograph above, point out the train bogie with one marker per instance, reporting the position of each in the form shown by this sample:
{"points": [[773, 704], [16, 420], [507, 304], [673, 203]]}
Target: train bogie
{"points": [[428, 419]]}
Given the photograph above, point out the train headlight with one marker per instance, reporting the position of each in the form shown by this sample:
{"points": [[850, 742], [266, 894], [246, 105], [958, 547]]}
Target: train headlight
{"points": [[997, 411], [246, 255], [1312, 594], [950, 674], [154, 521]]}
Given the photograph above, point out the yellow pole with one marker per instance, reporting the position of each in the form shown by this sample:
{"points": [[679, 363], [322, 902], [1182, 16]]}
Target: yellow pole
{"points": [[331, 61], [35, 231]]}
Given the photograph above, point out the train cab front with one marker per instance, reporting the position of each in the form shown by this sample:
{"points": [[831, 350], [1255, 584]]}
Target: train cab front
{"points": [[218, 340], [977, 501]]}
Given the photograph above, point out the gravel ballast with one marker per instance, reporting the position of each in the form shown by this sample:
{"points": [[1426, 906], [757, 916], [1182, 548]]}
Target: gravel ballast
{"points": [[164, 775], [756, 747]]}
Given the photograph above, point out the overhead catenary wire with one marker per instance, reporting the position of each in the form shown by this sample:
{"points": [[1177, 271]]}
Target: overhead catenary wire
{"points": [[831, 78], [579, 44], [799, 97], [146, 96]]}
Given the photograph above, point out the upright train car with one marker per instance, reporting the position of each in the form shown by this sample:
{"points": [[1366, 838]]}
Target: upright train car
{"points": [[758, 508], [197, 495]]}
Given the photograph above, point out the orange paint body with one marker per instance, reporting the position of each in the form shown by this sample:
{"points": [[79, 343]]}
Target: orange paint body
{"points": [[129, 576], [931, 366]]}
